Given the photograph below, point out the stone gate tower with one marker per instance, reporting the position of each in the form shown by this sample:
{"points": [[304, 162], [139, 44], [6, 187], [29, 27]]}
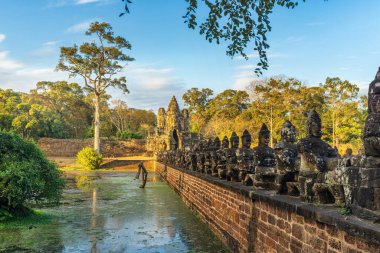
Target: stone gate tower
{"points": [[172, 130]]}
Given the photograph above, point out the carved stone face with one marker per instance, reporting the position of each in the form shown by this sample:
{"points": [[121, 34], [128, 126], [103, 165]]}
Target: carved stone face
{"points": [[216, 143], [210, 144], [374, 103], [264, 139], [315, 129], [234, 142], [289, 134], [225, 142], [246, 141]]}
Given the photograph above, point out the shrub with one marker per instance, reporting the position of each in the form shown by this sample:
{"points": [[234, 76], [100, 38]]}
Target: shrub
{"points": [[89, 158], [25, 175], [129, 135]]}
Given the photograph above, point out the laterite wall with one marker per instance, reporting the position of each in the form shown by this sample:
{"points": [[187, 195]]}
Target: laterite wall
{"points": [[70, 147], [248, 220]]}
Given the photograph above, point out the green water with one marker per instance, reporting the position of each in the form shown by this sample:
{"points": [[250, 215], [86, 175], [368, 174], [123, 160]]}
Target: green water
{"points": [[109, 213]]}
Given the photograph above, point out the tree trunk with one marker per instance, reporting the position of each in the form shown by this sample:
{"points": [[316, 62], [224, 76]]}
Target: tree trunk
{"points": [[97, 124]]}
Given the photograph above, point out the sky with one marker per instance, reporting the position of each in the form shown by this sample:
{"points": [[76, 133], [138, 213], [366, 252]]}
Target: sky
{"points": [[318, 39]]}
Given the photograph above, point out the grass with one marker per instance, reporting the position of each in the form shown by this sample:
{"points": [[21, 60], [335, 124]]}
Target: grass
{"points": [[35, 217]]}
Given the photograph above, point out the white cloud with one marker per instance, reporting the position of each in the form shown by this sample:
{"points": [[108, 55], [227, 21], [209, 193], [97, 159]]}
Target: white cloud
{"points": [[243, 77], [7, 64], [86, 1], [2, 37], [16, 75], [150, 87], [80, 27], [61, 3], [47, 49]]}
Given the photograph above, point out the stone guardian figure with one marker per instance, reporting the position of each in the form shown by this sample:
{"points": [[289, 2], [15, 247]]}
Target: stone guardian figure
{"points": [[264, 161], [287, 160], [245, 160], [232, 170], [222, 158], [317, 158]]}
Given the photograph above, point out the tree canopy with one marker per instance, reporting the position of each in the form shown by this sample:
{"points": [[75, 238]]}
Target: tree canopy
{"points": [[276, 99], [240, 24], [98, 62]]}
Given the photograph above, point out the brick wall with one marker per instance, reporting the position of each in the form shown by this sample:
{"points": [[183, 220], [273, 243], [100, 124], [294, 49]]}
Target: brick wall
{"points": [[248, 220], [70, 147]]}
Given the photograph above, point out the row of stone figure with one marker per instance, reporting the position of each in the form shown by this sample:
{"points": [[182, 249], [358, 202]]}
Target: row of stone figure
{"points": [[296, 169]]}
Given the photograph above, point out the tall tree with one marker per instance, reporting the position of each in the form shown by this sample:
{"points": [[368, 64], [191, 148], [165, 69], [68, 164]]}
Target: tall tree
{"points": [[197, 100], [339, 94], [98, 62]]}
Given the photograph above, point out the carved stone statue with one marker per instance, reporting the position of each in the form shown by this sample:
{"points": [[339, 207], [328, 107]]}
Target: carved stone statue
{"points": [[317, 158], [208, 156], [264, 161], [245, 160], [371, 135], [287, 162], [201, 156], [222, 158], [314, 152], [187, 158], [214, 157], [193, 157], [232, 170]]}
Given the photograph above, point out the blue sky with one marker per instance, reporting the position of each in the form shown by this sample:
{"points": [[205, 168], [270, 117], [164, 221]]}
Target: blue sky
{"points": [[316, 40]]}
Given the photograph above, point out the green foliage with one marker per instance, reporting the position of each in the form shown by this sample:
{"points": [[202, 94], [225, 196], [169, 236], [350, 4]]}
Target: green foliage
{"points": [[25, 175], [89, 158], [239, 23], [345, 210], [129, 135], [33, 218], [197, 100], [98, 62], [126, 119], [276, 99]]}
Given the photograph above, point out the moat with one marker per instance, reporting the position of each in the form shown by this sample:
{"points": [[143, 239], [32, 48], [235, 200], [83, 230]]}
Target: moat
{"points": [[108, 212]]}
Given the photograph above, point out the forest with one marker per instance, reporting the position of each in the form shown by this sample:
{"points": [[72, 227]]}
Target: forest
{"points": [[276, 99], [65, 110]]}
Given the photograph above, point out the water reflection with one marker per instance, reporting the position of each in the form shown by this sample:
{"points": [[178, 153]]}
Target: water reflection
{"points": [[116, 216]]}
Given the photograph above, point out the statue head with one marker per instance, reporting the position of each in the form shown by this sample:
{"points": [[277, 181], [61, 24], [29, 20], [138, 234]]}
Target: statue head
{"points": [[374, 95], [264, 135], [314, 125], [246, 139], [348, 152], [210, 144], [234, 140], [225, 142], [217, 143], [288, 132]]}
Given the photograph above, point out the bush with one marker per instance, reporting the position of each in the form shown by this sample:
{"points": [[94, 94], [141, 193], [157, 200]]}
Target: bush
{"points": [[89, 158], [129, 135], [25, 175]]}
